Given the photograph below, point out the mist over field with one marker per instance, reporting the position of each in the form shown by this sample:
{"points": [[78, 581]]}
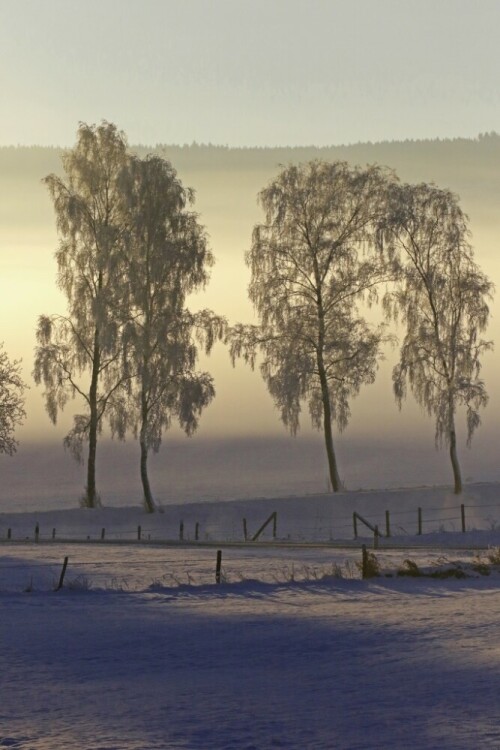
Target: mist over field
{"points": [[240, 435]]}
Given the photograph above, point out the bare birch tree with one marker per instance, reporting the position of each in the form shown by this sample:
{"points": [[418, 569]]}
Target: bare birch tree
{"points": [[442, 298], [12, 411], [167, 258], [309, 275], [77, 353]]}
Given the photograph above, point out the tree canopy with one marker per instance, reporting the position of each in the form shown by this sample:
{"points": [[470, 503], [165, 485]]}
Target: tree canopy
{"points": [[78, 353], [12, 411], [442, 297], [130, 252], [166, 257], [312, 265]]}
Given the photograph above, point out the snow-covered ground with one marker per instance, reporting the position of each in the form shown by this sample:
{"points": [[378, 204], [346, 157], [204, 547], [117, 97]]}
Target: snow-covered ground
{"points": [[142, 650], [313, 517]]}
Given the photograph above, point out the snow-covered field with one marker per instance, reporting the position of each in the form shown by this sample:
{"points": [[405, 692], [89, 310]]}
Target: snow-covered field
{"points": [[142, 650]]}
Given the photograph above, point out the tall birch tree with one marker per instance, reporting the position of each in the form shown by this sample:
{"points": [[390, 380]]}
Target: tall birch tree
{"points": [[167, 258], [442, 297], [309, 275], [78, 352]]}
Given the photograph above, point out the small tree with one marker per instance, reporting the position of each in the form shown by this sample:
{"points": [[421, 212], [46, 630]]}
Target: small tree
{"points": [[442, 297], [308, 276], [166, 256], [77, 354], [11, 402]]}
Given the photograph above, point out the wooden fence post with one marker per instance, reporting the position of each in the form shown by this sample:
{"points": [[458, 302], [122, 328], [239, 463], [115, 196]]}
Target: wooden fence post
{"points": [[272, 518], [218, 566], [462, 513], [63, 573], [387, 524], [197, 531], [355, 525], [139, 533], [181, 531], [245, 530], [53, 533], [275, 524], [103, 534], [419, 532], [9, 533], [364, 561], [37, 532], [376, 535]]}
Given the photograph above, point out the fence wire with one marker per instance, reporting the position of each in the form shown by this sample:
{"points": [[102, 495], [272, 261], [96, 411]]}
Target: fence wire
{"points": [[323, 528]]}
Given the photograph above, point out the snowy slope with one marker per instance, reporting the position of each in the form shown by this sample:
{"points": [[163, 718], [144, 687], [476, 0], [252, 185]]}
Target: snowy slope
{"points": [[320, 517], [340, 665], [142, 650]]}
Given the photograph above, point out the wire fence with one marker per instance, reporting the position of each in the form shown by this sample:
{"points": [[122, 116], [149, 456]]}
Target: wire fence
{"points": [[165, 552], [32, 568], [323, 528]]}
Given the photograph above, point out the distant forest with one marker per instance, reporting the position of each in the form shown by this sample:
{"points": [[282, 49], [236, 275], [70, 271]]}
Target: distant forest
{"points": [[466, 166], [461, 160]]}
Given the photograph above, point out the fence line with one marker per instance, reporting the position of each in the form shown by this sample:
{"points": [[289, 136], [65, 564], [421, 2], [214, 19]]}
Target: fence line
{"points": [[418, 521], [362, 564]]}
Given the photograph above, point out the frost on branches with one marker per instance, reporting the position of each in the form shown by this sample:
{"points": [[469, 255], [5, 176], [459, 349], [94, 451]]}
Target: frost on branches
{"points": [[77, 354], [442, 298], [130, 252], [11, 402], [165, 257], [313, 264]]}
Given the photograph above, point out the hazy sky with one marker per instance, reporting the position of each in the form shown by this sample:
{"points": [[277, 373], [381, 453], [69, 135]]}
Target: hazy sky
{"points": [[249, 72]]}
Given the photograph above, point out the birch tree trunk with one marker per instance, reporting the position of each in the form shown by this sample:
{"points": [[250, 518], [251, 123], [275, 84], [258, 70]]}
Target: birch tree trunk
{"points": [[148, 496], [90, 500], [327, 428], [457, 477]]}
